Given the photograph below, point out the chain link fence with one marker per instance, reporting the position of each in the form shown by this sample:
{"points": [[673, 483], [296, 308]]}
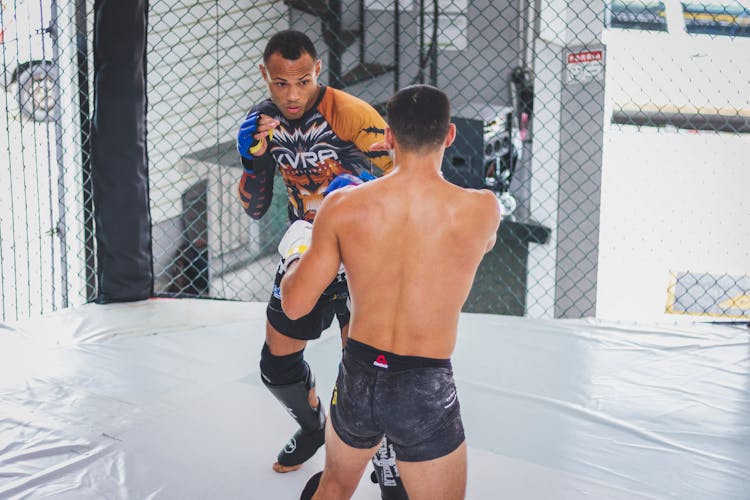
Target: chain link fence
{"points": [[611, 131], [47, 243]]}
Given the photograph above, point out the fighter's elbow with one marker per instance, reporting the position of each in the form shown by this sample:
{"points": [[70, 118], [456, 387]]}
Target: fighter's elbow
{"points": [[293, 307], [292, 301], [254, 213], [293, 314]]}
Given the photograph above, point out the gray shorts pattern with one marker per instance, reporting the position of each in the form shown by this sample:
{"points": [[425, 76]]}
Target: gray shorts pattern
{"points": [[413, 400]]}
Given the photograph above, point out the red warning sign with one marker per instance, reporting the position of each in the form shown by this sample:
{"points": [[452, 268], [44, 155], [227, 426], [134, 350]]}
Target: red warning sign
{"points": [[584, 66], [584, 57]]}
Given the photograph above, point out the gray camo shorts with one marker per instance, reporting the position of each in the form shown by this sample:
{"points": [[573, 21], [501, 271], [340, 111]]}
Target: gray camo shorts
{"points": [[410, 399]]}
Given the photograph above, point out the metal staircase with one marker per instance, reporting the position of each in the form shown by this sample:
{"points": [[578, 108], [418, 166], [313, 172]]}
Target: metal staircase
{"points": [[339, 37]]}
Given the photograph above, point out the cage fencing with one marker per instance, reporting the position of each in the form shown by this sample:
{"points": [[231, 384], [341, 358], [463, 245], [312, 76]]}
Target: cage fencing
{"points": [[47, 243], [584, 117]]}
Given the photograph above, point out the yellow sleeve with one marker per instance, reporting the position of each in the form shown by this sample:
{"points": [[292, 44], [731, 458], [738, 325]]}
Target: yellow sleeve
{"points": [[354, 120]]}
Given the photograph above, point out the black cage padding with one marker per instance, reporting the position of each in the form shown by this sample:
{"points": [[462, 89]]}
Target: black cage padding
{"points": [[119, 161]]}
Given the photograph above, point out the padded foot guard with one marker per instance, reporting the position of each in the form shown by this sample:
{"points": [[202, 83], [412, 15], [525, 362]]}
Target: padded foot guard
{"points": [[386, 474], [311, 487], [302, 446], [312, 421]]}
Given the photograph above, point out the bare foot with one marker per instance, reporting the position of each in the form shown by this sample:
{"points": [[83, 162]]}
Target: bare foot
{"points": [[281, 469]]}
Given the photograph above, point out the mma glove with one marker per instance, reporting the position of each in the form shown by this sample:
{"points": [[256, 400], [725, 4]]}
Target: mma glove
{"points": [[343, 180], [295, 242], [247, 144]]}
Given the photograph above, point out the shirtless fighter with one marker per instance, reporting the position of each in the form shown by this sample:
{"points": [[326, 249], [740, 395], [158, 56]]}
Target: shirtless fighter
{"points": [[411, 243]]}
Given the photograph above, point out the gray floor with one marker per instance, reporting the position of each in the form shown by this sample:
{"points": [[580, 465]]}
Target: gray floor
{"points": [[162, 399]]}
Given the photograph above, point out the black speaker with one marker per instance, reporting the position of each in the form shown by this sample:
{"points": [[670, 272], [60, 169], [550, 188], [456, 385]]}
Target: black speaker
{"points": [[463, 162]]}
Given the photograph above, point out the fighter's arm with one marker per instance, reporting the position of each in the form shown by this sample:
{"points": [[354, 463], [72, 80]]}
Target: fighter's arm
{"points": [[256, 184], [373, 132], [355, 120], [491, 206], [316, 266], [255, 188]]}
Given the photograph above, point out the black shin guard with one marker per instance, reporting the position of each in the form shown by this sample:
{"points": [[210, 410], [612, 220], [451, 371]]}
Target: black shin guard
{"points": [[386, 474], [311, 434], [306, 441]]}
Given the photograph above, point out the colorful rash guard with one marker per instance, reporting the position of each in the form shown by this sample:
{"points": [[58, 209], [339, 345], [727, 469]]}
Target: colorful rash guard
{"points": [[333, 137]]}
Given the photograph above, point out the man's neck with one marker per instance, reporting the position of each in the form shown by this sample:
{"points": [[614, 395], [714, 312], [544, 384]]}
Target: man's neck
{"points": [[314, 101], [419, 163]]}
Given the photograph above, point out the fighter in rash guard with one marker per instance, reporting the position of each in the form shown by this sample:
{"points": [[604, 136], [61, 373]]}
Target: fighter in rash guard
{"points": [[319, 139], [330, 139]]}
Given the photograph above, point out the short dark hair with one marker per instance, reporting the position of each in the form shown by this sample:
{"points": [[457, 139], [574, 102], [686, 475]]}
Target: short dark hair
{"points": [[419, 116], [290, 44]]}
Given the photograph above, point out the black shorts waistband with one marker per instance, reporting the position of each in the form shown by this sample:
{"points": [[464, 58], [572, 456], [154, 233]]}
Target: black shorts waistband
{"points": [[389, 361]]}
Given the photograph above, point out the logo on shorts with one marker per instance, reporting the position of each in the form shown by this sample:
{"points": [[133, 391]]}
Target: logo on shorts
{"points": [[380, 361], [451, 399], [277, 292]]}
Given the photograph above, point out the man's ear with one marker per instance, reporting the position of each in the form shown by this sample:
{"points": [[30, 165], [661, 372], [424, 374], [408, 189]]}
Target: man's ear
{"points": [[318, 67], [263, 72], [389, 140], [451, 135]]}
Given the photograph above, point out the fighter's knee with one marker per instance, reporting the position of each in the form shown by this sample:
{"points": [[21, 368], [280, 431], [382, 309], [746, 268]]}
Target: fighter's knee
{"points": [[283, 370]]}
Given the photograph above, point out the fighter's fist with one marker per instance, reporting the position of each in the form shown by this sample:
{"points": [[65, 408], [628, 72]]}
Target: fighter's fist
{"points": [[245, 135], [295, 241], [251, 136], [343, 180]]}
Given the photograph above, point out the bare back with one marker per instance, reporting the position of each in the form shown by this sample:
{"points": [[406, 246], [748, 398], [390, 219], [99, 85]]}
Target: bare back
{"points": [[411, 244]]}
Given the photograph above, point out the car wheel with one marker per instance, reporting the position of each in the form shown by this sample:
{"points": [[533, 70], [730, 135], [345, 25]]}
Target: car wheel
{"points": [[36, 91]]}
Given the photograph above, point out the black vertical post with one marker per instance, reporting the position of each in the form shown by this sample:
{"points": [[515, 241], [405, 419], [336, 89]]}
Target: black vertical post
{"points": [[420, 74], [361, 28], [84, 118], [396, 46], [331, 21], [60, 226], [434, 44], [119, 170]]}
